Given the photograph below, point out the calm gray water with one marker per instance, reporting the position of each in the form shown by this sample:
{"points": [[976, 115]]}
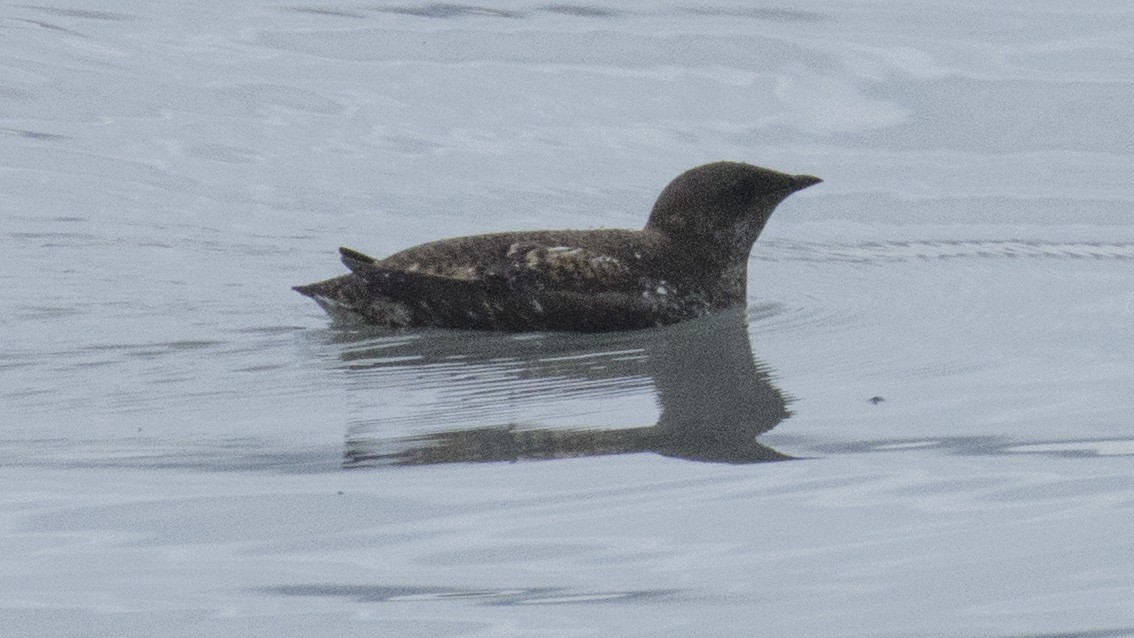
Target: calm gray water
{"points": [[938, 350]]}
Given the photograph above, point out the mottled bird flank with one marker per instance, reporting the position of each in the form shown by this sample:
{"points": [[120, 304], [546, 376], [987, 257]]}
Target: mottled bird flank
{"points": [[691, 259]]}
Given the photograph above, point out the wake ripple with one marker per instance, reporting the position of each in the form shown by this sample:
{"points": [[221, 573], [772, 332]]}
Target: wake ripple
{"points": [[900, 251]]}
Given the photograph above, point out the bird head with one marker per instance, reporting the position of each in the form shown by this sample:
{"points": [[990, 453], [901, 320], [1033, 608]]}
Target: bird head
{"points": [[722, 207]]}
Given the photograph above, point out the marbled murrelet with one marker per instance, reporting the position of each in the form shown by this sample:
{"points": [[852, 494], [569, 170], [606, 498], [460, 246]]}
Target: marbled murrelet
{"points": [[690, 259]]}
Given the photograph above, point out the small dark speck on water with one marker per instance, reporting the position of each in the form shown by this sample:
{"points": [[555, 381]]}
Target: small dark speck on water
{"points": [[876, 400]]}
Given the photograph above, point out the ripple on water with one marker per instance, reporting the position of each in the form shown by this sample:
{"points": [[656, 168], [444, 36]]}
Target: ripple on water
{"points": [[816, 306], [517, 596], [922, 308], [873, 252], [973, 446]]}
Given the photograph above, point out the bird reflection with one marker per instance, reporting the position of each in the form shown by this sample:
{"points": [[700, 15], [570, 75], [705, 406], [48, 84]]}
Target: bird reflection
{"points": [[457, 394]]}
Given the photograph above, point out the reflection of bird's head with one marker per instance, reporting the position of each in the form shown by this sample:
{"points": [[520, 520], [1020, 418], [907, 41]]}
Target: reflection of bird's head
{"points": [[723, 204]]}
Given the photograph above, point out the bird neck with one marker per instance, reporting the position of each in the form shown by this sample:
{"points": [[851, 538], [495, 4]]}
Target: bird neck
{"points": [[720, 276]]}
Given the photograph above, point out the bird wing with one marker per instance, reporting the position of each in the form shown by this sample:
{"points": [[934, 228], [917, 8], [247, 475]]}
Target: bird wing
{"points": [[545, 260], [552, 288], [567, 268], [407, 284]]}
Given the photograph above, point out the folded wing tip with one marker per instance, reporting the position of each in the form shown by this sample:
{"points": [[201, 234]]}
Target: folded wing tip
{"points": [[353, 259]]}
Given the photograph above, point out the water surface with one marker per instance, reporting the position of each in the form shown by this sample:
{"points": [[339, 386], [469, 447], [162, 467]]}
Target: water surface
{"points": [[920, 424]]}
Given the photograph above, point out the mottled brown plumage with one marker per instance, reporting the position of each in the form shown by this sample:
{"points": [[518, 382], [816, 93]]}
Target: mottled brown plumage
{"points": [[690, 259]]}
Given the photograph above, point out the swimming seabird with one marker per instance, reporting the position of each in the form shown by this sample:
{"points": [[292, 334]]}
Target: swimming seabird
{"points": [[690, 259]]}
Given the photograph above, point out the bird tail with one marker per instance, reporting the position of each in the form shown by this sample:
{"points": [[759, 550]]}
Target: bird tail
{"points": [[353, 259]]}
